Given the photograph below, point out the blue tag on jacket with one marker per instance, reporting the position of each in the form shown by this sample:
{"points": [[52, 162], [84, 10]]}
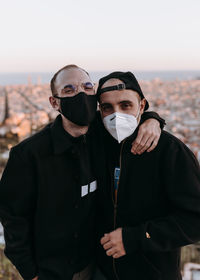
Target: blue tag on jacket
{"points": [[116, 177]]}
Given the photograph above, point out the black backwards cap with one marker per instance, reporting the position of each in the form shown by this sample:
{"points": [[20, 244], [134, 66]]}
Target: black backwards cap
{"points": [[129, 82]]}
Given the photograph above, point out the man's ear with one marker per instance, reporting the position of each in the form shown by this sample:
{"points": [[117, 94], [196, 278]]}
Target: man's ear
{"points": [[55, 103], [142, 105], [100, 110]]}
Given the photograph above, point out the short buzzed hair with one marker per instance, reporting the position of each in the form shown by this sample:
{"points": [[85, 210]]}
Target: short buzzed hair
{"points": [[70, 66]]}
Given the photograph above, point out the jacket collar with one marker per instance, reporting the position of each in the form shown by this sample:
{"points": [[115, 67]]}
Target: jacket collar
{"points": [[62, 141]]}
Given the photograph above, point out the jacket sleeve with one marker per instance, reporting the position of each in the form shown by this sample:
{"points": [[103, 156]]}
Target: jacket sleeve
{"points": [[181, 176], [17, 202], [152, 115]]}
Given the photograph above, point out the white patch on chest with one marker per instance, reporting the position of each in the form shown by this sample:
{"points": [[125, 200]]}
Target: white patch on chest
{"points": [[88, 188]]}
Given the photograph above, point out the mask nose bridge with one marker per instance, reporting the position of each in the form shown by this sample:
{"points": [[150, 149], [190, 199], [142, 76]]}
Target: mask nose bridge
{"points": [[114, 116], [117, 115]]}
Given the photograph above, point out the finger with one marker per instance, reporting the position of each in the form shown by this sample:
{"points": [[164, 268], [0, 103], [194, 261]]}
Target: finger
{"points": [[104, 239], [115, 256], [108, 245], [118, 255], [145, 134], [111, 252], [143, 142], [136, 142], [154, 144], [147, 145], [133, 150]]}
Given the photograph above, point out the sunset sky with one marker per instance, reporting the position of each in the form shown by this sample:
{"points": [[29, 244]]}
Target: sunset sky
{"points": [[44, 35]]}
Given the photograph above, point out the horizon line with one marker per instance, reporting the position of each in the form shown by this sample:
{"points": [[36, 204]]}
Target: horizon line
{"points": [[111, 70]]}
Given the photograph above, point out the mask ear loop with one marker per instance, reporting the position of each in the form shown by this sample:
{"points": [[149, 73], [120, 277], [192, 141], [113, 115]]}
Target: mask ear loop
{"points": [[138, 111]]}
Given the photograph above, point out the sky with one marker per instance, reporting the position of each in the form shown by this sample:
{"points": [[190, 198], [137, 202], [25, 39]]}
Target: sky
{"points": [[44, 35]]}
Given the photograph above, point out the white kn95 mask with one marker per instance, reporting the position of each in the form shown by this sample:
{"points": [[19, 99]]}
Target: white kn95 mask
{"points": [[120, 125]]}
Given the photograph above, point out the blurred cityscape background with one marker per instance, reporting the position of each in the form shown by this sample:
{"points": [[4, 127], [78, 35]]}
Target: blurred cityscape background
{"points": [[157, 40], [25, 108]]}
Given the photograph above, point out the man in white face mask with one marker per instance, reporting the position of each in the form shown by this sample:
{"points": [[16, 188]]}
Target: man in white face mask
{"points": [[126, 113], [122, 104], [149, 203]]}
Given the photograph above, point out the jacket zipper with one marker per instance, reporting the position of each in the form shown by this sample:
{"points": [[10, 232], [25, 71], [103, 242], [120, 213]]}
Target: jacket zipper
{"points": [[115, 204]]}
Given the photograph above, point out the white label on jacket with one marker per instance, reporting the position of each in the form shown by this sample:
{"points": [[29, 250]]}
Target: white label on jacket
{"points": [[93, 186], [85, 189]]}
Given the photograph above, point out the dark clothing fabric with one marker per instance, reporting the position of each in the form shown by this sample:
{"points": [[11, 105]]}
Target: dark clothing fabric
{"points": [[85, 274], [158, 208], [49, 225], [48, 201]]}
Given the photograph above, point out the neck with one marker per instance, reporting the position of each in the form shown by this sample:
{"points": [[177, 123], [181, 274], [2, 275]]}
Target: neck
{"points": [[72, 128]]}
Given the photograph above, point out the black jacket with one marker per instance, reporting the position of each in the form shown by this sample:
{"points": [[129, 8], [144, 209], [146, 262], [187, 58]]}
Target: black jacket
{"points": [[158, 197], [46, 208], [48, 221]]}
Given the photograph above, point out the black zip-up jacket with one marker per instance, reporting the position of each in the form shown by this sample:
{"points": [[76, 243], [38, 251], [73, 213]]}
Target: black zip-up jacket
{"points": [[158, 208], [47, 204], [48, 218]]}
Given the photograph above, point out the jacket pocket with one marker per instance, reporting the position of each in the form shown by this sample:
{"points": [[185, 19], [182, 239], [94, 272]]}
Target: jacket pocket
{"points": [[151, 268], [136, 266]]}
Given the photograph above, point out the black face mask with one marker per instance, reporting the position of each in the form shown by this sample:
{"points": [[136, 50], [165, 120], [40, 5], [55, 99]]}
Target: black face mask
{"points": [[79, 109]]}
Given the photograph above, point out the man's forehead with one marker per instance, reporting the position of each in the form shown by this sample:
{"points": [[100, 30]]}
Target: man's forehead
{"points": [[112, 82], [72, 75], [119, 96]]}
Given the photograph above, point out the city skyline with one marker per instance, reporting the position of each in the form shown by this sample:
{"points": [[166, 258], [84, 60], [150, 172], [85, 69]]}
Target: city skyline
{"points": [[101, 36]]}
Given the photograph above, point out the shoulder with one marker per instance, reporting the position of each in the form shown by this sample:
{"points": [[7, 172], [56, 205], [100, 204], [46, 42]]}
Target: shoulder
{"points": [[171, 145], [167, 138], [40, 141]]}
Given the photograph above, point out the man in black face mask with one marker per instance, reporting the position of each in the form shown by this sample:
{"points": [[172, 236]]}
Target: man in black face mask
{"points": [[48, 188], [74, 97]]}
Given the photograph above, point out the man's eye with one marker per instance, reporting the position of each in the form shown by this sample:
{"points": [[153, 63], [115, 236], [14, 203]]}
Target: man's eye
{"points": [[106, 108], [68, 90], [126, 105], [88, 86]]}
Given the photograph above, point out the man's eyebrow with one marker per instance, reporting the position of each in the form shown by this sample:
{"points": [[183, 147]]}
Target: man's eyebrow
{"points": [[125, 101], [105, 103], [69, 85]]}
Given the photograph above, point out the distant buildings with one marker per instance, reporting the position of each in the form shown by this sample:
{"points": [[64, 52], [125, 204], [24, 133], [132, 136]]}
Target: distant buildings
{"points": [[25, 108]]}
